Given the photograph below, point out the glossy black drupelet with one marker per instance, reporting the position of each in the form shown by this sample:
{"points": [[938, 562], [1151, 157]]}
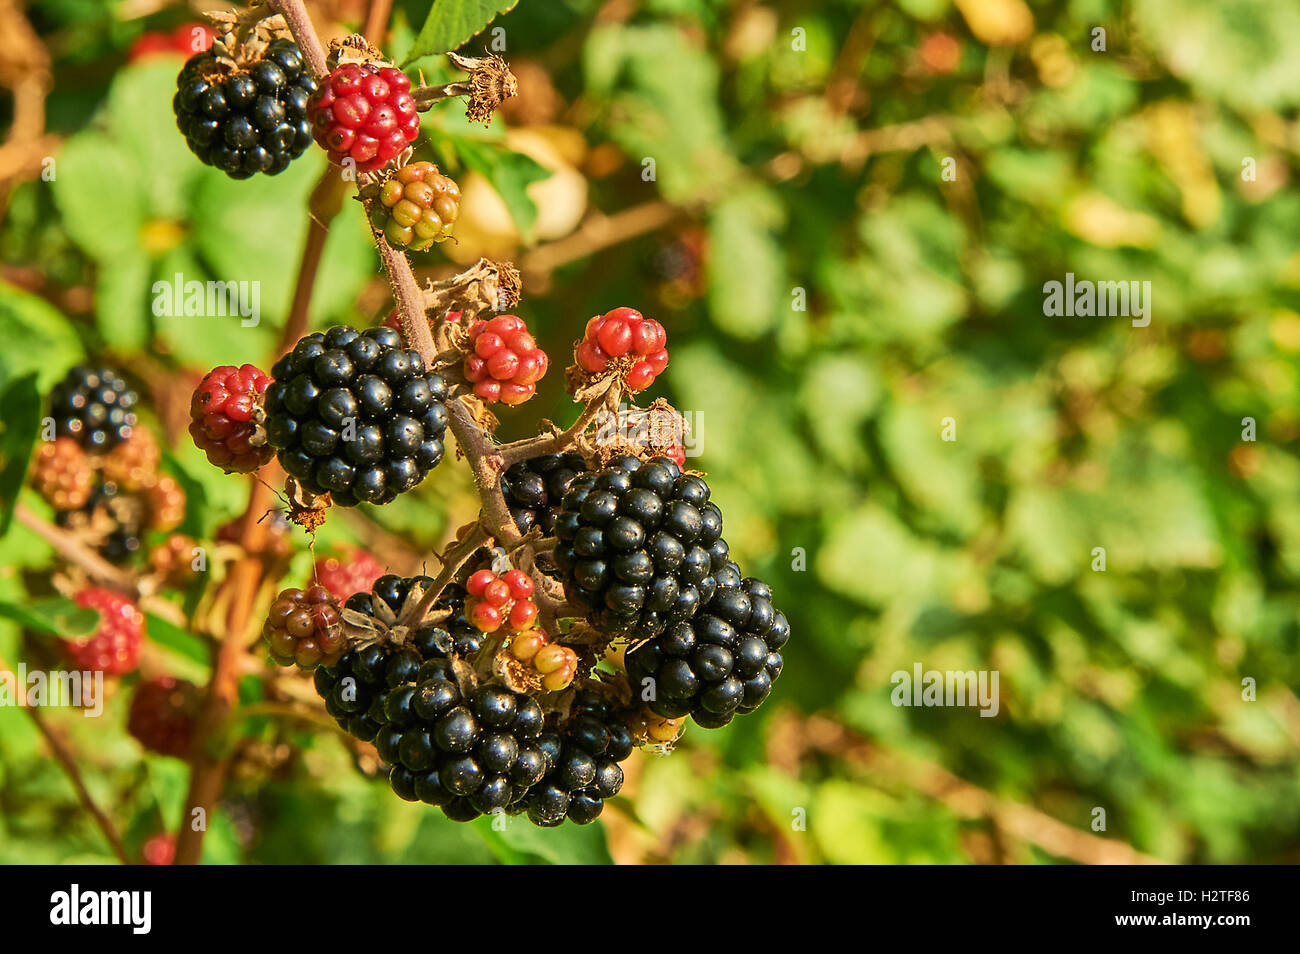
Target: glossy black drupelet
{"points": [[533, 489], [250, 121], [356, 415], [473, 753], [358, 705], [639, 543], [94, 407], [470, 754], [720, 663], [584, 769]]}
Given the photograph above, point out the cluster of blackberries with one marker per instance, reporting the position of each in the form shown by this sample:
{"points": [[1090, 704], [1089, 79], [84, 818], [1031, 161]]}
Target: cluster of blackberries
{"points": [[101, 474], [639, 544], [472, 752], [355, 415], [534, 488], [246, 122], [721, 662], [94, 407]]}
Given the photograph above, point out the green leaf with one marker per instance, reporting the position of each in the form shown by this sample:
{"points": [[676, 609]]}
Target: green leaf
{"points": [[451, 23], [49, 345], [101, 194], [54, 615], [137, 112], [20, 419], [177, 640], [122, 301], [746, 285]]}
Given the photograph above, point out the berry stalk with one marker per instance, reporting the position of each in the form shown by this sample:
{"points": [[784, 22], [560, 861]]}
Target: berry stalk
{"points": [[69, 765]]}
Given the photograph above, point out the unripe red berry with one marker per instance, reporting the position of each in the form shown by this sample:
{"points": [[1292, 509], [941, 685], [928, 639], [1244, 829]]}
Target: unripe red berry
{"points": [[614, 337], [223, 418], [523, 614], [114, 648], [624, 333], [364, 112], [497, 592], [160, 849], [352, 572], [504, 363], [520, 584], [486, 617], [478, 582]]}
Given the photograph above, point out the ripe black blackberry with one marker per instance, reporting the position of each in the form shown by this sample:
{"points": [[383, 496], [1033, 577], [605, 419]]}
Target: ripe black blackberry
{"points": [[471, 753], [356, 415], [534, 488], [584, 770], [358, 705], [720, 663], [353, 689], [248, 118], [94, 407], [639, 543]]}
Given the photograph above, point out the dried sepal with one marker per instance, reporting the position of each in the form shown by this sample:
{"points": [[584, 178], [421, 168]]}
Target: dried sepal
{"points": [[490, 84], [485, 285]]}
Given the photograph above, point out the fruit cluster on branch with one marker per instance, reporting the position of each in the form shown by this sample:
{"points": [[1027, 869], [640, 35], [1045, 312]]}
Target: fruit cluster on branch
{"points": [[592, 604]]}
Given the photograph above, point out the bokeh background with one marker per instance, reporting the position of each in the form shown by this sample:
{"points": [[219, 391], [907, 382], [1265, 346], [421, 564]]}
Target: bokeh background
{"points": [[799, 154]]}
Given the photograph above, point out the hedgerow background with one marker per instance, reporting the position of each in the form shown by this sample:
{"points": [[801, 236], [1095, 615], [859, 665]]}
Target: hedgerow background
{"points": [[798, 155]]}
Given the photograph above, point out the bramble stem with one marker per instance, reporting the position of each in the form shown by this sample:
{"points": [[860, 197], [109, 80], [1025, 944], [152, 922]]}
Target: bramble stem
{"points": [[69, 765], [208, 768], [299, 20]]}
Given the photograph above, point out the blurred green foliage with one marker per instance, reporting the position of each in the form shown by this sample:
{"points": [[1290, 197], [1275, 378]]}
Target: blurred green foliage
{"points": [[806, 145]]}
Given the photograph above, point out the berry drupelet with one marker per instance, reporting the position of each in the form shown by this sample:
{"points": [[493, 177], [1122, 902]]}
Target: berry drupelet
{"points": [[364, 112], [720, 663], [246, 120], [415, 207], [584, 770], [94, 407], [639, 543], [533, 489], [355, 415], [223, 418]]}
